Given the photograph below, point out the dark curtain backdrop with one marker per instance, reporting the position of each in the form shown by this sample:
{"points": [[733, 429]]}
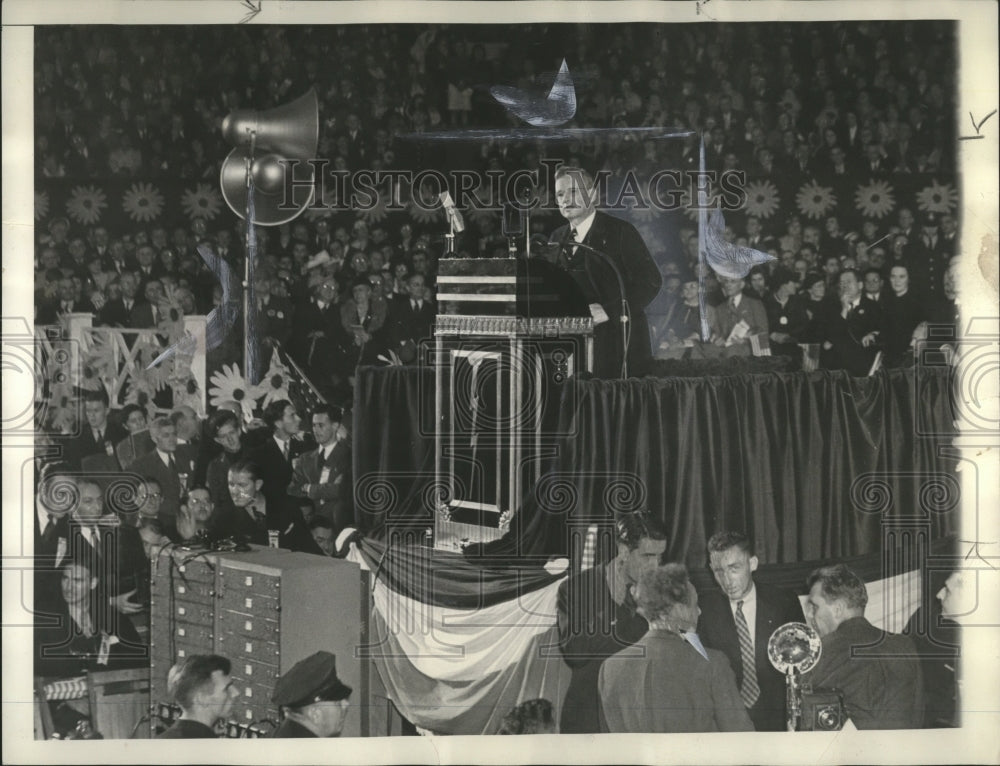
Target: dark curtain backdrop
{"points": [[811, 465]]}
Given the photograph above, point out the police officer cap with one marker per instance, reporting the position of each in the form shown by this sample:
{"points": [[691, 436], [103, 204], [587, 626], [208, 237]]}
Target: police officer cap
{"points": [[313, 679]]}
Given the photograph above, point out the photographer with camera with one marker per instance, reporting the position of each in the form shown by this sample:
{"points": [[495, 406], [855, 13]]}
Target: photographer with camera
{"points": [[878, 673]]}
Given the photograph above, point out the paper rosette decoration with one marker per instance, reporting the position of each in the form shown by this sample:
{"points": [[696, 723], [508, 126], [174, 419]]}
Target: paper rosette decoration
{"points": [[140, 390], [815, 201], [61, 411], [762, 199], [146, 351], [143, 202], [203, 201], [937, 198], [274, 385], [85, 204], [876, 199], [41, 205], [228, 385]]}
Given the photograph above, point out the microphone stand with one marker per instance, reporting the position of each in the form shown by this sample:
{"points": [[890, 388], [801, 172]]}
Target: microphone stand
{"points": [[246, 261]]}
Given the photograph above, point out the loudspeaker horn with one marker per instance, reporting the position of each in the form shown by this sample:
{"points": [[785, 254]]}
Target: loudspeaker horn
{"points": [[280, 138], [291, 130], [271, 208]]}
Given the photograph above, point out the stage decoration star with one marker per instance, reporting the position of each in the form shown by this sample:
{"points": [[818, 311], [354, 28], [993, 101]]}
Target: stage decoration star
{"points": [[41, 205], [203, 201], [274, 385], [762, 199], [937, 198], [228, 385], [85, 204], [815, 201], [143, 202], [556, 108], [876, 199]]}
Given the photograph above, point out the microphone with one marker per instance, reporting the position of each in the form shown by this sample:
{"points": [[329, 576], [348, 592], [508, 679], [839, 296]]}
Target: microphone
{"points": [[454, 217]]}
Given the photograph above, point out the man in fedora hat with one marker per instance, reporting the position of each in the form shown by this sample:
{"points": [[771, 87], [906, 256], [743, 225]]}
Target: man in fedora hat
{"points": [[314, 699]]}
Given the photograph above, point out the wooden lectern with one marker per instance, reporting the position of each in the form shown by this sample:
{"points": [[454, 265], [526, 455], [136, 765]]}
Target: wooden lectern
{"points": [[509, 331]]}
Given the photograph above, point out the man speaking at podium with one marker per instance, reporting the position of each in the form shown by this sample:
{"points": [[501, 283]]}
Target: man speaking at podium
{"points": [[588, 230]]}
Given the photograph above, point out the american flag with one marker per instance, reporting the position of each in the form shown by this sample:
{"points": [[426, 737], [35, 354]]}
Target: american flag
{"points": [[303, 394]]}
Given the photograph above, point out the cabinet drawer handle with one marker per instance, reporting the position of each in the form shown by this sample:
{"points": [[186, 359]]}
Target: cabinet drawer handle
{"points": [[248, 581], [248, 626], [248, 648], [248, 603]]}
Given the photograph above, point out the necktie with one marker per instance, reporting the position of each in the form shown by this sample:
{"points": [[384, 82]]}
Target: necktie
{"points": [[284, 450], [171, 464], [732, 303], [749, 689], [49, 533], [98, 435]]}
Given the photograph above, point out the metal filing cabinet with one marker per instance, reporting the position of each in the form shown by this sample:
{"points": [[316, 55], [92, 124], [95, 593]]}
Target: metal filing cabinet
{"points": [[265, 610]]}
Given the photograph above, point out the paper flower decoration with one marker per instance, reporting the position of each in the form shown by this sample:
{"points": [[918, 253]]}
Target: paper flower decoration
{"points": [[203, 201], [875, 199], [85, 204], [228, 385], [762, 199], [815, 201], [376, 213], [171, 322], [140, 390], [187, 393], [274, 385], [97, 364], [428, 211], [41, 205], [143, 202], [481, 204], [61, 409], [937, 198]]}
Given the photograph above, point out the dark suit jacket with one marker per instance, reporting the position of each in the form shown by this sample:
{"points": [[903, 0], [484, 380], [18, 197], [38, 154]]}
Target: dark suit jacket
{"points": [[751, 310], [624, 245], [118, 559], [847, 353], [150, 464], [114, 314], [49, 312], [717, 629], [331, 499], [275, 471], [83, 445], [280, 514], [592, 627], [883, 690], [142, 316], [672, 689], [407, 323]]}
